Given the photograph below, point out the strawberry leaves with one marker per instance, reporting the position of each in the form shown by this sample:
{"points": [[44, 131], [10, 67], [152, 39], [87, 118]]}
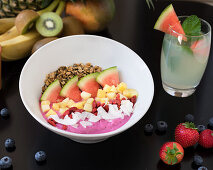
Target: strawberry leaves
{"points": [[171, 154]]}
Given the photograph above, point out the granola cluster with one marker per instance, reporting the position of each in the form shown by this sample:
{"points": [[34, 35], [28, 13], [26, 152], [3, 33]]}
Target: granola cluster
{"points": [[63, 74]]}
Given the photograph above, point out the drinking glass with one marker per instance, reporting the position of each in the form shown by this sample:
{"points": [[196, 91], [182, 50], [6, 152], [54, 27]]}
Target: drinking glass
{"points": [[184, 59]]}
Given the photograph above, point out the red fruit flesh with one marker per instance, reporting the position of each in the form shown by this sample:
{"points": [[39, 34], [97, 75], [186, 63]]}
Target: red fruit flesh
{"points": [[186, 134], [171, 153], [206, 138]]}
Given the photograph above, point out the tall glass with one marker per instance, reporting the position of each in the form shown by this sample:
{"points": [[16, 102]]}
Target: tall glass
{"points": [[184, 59]]}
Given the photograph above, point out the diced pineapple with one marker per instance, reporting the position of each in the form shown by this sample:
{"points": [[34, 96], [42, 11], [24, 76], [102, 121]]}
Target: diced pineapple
{"points": [[63, 104], [56, 106], [62, 110], [45, 102], [122, 96], [113, 89], [101, 93], [51, 112], [130, 93], [70, 103], [97, 99], [85, 95], [89, 101], [111, 95], [104, 100], [45, 108], [121, 87], [79, 105], [107, 88], [88, 107]]}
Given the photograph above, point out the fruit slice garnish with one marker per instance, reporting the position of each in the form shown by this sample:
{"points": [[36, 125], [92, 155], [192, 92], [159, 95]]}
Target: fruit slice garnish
{"points": [[109, 76], [52, 92], [169, 23], [71, 90], [89, 84]]}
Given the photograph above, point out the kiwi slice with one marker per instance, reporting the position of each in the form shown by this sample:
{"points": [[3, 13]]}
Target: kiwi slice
{"points": [[42, 42], [49, 24], [25, 20], [71, 26]]}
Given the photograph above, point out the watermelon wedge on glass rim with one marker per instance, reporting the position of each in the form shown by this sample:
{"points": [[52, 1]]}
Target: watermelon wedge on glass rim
{"points": [[169, 23]]}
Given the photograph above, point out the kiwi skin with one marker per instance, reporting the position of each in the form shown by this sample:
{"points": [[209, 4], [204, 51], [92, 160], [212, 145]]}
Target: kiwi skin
{"points": [[24, 20], [71, 26], [42, 42]]}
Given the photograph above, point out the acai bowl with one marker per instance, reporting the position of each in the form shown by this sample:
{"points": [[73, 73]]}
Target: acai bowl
{"points": [[123, 95]]}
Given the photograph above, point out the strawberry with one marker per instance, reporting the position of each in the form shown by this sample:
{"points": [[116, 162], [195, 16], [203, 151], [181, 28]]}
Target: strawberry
{"points": [[186, 134], [171, 153], [206, 138]]}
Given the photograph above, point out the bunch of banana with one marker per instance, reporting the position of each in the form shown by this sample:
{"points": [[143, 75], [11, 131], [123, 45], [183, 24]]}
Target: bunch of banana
{"points": [[15, 46]]}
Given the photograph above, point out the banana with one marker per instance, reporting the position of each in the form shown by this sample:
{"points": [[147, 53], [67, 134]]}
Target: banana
{"points": [[11, 33], [6, 24], [19, 47]]}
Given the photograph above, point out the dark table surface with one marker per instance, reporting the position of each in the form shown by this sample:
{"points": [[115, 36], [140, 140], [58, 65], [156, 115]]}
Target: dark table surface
{"points": [[131, 150]]}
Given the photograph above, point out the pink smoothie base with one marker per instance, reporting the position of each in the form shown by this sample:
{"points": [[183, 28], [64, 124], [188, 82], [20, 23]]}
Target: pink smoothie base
{"points": [[102, 126]]}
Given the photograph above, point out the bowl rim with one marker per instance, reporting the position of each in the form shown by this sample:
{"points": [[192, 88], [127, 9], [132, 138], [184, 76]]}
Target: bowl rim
{"points": [[67, 133]]}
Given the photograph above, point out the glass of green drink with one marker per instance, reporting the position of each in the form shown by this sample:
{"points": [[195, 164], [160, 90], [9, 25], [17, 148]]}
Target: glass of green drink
{"points": [[184, 59]]}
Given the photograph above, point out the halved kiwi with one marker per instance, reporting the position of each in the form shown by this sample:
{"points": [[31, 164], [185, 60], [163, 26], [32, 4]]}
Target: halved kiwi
{"points": [[49, 24], [25, 20], [72, 26]]}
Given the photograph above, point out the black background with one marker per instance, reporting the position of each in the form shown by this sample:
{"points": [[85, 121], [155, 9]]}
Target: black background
{"points": [[131, 150]]}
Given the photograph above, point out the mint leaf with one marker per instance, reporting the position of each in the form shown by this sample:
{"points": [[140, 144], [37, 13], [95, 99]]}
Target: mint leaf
{"points": [[192, 26]]}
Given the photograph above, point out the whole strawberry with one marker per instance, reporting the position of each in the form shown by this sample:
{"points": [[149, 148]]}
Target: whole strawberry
{"points": [[171, 153], [186, 134], [206, 138]]}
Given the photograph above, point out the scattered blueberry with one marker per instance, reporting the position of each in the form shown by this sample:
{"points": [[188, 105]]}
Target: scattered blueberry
{"points": [[4, 112], [202, 168], [40, 156], [189, 118], [198, 160], [210, 123], [5, 162], [9, 143], [162, 126], [201, 128], [148, 128]]}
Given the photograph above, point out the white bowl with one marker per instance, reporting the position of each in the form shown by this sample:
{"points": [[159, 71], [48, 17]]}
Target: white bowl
{"points": [[99, 51]]}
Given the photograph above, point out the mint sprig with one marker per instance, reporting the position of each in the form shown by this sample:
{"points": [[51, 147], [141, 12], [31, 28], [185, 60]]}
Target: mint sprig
{"points": [[192, 26]]}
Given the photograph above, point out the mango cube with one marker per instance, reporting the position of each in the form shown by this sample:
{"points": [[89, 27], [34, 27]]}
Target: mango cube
{"points": [[45, 102], [85, 95], [63, 104], [70, 103], [56, 106], [88, 107], [45, 108], [104, 100], [51, 112], [101, 93], [121, 87], [62, 110], [89, 101], [111, 95], [79, 105], [113, 89], [107, 88], [130, 93]]}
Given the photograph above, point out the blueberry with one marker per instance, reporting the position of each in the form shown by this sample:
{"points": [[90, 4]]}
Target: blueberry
{"points": [[40, 156], [198, 160], [189, 118], [211, 122], [9, 143], [202, 168], [201, 128], [148, 128], [5, 162], [4, 112], [162, 126]]}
